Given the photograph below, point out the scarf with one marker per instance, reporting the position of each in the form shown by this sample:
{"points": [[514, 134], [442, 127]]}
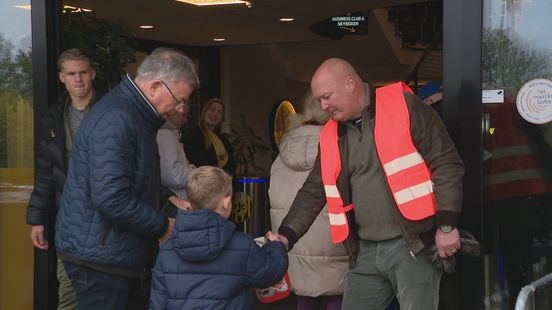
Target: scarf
{"points": [[222, 156]]}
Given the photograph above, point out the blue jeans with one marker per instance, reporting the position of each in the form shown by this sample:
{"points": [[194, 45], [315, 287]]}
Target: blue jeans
{"points": [[99, 290], [384, 270]]}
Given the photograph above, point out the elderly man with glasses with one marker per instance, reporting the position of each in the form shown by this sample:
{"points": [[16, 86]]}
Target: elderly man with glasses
{"points": [[110, 214]]}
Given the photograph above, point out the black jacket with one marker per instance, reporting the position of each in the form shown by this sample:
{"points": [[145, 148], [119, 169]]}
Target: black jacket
{"points": [[199, 155], [51, 164]]}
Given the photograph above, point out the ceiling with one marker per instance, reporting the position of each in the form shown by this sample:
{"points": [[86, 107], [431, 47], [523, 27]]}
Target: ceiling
{"points": [[185, 24]]}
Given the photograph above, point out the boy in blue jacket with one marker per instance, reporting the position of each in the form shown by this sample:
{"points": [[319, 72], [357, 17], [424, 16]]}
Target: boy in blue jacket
{"points": [[206, 264]]}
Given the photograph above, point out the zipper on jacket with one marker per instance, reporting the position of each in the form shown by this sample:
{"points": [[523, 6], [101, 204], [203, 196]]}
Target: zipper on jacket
{"points": [[391, 196], [349, 124], [395, 213]]}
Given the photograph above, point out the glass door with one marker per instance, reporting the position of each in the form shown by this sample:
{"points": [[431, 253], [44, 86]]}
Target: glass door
{"points": [[517, 149], [16, 154]]}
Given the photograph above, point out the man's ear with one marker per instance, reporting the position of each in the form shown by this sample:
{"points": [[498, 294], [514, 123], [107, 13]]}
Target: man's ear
{"points": [[350, 83], [61, 77], [93, 73], [152, 87]]}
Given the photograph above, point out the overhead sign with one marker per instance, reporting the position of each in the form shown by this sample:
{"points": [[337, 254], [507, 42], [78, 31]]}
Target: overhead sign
{"points": [[351, 23], [534, 101]]}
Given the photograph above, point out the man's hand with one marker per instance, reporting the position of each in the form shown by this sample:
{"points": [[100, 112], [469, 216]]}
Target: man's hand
{"points": [[37, 236], [180, 203], [168, 233], [271, 236], [276, 237], [447, 243]]}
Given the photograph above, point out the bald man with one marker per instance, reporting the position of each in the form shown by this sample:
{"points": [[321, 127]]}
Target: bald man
{"points": [[385, 205]]}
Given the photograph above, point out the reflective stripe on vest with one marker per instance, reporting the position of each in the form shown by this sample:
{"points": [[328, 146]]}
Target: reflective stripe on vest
{"points": [[330, 167], [407, 174]]}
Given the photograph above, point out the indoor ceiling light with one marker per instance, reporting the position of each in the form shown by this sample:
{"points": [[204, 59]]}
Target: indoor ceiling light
{"points": [[215, 2], [146, 26], [219, 39], [75, 9], [287, 19]]}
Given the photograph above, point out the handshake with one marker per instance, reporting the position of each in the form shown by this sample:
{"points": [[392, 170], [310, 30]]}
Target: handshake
{"points": [[276, 237]]}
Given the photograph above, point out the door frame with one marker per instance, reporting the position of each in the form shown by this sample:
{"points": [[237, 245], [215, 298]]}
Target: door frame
{"points": [[462, 113]]}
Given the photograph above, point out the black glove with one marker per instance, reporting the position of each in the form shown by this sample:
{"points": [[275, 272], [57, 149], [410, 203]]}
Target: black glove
{"points": [[468, 245]]}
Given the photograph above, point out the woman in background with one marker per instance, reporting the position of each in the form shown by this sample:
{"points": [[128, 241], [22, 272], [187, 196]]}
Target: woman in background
{"points": [[317, 267], [205, 145]]}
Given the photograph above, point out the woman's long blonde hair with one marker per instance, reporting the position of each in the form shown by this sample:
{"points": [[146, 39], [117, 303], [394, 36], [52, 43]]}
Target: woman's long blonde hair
{"points": [[202, 125]]}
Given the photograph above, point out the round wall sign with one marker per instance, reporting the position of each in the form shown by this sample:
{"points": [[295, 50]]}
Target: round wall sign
{"points": [[534, 101], [281, 120]]}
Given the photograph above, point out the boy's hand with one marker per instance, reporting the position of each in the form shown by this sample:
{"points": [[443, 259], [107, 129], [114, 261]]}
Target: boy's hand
{"points": [[276, 237]]}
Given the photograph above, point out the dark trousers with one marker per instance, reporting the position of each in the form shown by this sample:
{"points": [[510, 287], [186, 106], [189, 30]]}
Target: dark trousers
{"points": [[99, 290], [314, 303]]}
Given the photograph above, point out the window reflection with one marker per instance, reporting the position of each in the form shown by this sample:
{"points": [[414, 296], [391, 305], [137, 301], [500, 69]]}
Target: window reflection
{"points": [[517, 154], [16, 112], [16, 154]]}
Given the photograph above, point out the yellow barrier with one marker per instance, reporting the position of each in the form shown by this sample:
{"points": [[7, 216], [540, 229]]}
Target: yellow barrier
{"points": [[16, 250]]}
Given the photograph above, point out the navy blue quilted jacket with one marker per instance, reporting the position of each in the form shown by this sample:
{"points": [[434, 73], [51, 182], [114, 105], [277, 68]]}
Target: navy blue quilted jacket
{"points": [[206, 264], [107, 218]]}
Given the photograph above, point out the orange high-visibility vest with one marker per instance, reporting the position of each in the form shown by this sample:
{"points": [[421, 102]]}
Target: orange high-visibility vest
{"points": [[330, 166], [408, 176]]}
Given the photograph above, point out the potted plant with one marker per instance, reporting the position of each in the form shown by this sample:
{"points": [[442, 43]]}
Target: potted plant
{"points": [[110, 45], [246, 147]]}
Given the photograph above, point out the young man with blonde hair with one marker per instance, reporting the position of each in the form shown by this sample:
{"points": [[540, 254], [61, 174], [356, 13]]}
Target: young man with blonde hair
{"points": [[58, 129], [207, 264]]}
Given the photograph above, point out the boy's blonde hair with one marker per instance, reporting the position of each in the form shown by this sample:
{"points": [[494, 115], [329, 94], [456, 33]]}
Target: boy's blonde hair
{"points": [[207, 186]]}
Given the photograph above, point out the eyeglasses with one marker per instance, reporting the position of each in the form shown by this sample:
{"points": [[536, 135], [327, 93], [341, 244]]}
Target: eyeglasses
{"points": [[179, 103]]}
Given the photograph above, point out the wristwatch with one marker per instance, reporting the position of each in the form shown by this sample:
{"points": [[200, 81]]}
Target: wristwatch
{"points": [[445, 228]]}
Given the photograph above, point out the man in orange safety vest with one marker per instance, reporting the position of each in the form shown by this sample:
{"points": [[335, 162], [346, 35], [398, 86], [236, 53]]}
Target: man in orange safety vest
{"points": [[392, 180]]}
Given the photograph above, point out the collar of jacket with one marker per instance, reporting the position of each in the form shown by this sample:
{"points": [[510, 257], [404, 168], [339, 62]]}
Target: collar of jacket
{"points": [[143, 105], [369, 108], [57, 109]]}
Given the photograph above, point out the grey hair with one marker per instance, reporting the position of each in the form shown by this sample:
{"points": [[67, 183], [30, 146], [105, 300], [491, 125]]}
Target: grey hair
{"points": [[312, 113], [167, 64]]}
